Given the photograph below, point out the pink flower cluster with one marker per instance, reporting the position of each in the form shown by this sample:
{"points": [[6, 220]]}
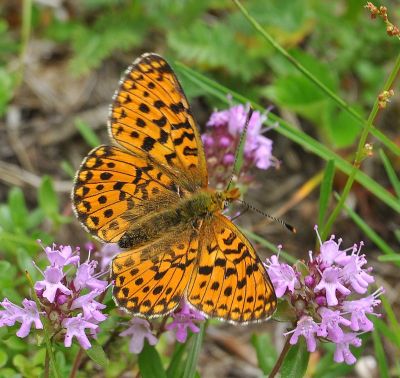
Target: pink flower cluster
{"points": [[221, 140], [67, 301], [328, 296]]}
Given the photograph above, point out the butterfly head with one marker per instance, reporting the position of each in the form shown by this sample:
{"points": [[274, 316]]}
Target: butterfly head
{"points": [[222, 199]]}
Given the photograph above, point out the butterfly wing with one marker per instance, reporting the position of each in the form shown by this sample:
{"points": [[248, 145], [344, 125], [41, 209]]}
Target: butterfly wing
{"points": [[150, 116], [230, 281], [111, 183], [151, 281]]}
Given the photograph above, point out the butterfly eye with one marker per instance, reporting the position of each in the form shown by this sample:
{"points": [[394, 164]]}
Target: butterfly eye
{"points": [[226, 204]]}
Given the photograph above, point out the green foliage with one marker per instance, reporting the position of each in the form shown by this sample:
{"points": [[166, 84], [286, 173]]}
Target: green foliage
{"points": [[150, 364], [266, 352], [296, 360]]}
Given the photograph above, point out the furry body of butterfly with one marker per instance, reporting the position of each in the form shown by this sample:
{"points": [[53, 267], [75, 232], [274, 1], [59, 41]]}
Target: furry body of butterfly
{"points": [[175, 217]]}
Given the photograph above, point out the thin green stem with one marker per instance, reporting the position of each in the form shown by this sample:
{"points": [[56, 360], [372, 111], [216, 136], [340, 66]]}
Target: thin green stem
{"points": [[77, 362], [280, 359], [44, 321], [26, 26], [359, 153], [383, 138]]}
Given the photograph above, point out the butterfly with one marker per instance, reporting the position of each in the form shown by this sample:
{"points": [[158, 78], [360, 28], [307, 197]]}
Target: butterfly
{"points": [[149, 193]]}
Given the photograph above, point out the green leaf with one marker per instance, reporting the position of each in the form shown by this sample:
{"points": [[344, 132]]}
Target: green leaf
{"points": [[87, 133], [266, 353], [150, 364], [341, 127], [67, 167], [194, 352], [3, 358], [394, 180], [176, 366], [19, 212], [296, 361], [326, 190], [96, 353], [47, 198], [380, 355]]}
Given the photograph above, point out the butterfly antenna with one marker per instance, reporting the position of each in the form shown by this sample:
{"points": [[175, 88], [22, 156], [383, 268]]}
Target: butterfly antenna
{"points": [[283, 223], [236, 165]]}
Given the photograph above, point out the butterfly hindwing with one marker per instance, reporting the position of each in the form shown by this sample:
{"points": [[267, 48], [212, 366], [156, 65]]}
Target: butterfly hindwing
{"points": [[151, 281], [151, 116], [112, 183], [230, 282]]}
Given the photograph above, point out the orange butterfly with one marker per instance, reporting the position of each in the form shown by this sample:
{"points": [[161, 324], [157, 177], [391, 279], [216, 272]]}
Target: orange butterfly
{"points": [[150, 194]]}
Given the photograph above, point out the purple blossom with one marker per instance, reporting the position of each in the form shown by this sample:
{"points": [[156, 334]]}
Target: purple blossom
{"points": [[353, 272], [330, 324], [139, 330], [359, 308], [107, 253], [90, 307], [221, 140], [326, 296], [52, 283], [282, 276], [330, 282], [75, 327], [67, 308], [62, 256], [342, 352], [183, 319], [27, 316], [307, 328], [85, 278]]}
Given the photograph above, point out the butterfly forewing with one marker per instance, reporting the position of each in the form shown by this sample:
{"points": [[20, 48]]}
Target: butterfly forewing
{"points": [[151, 116], [112, 182]]}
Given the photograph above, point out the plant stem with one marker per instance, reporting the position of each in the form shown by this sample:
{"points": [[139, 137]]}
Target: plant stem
{"points": [[77, 362], [25, 35], [45, 323], [281, 358], [383, 138], [359, 153]]}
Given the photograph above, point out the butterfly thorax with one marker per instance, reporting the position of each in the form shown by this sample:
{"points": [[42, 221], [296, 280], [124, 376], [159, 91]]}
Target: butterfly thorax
{"points": [[192, 209]]}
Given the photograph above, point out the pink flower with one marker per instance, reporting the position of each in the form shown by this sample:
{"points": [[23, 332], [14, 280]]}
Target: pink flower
{"points": [[184, 318], [76, 328], [342, 352], [330, 321], [90, 307], [330, 282], [27, 316], [52, 283], [62, 256], [307, 328], [85, 278], [359, 308], [282, 276], [107, 253], [139, 330]]}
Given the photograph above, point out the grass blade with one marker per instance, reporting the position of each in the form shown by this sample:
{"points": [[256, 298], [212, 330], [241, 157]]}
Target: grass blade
{"points": [[380, 355], [326, 190], [371, 234], [394, 180], [194, 352]]}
